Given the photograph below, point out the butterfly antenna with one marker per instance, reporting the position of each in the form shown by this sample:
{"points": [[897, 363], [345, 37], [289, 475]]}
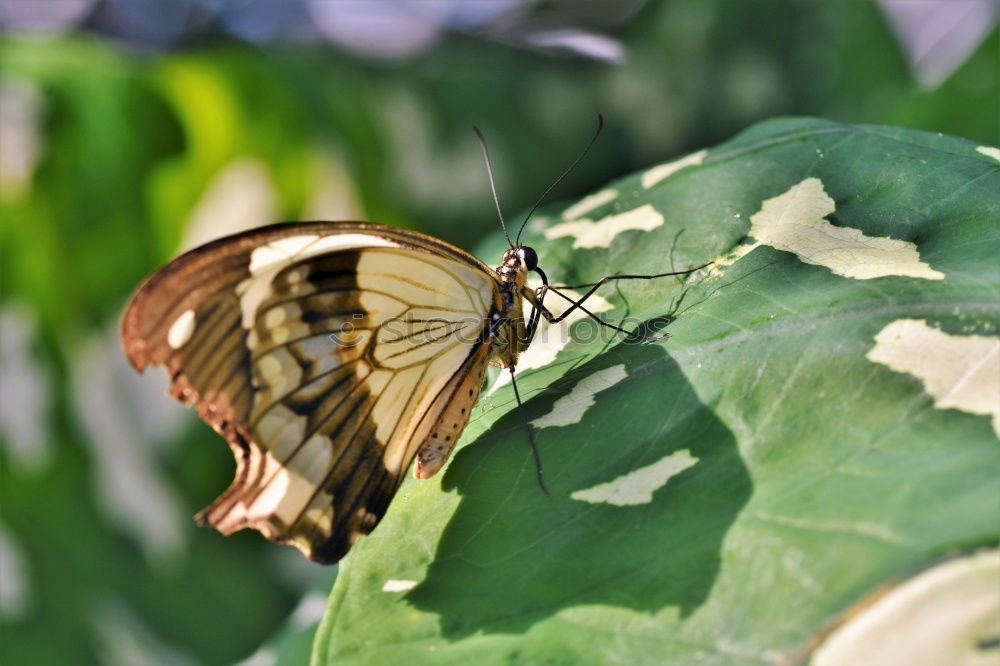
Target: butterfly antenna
{"points": [[597, 133], [493, 187]]}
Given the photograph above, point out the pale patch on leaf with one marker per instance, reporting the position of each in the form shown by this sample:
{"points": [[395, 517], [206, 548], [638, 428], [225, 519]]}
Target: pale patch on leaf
{"points": [[570, 408], [123, 638], [663, 171], [720, 263], [15, 588], [21, 113], [24, 383], [989, 151], [794, 222], [240, 197], [264, 656], [958, 371], [949, 614], [637, 487], [333, 196], [398, 585], [600, 234], [309, 611], [124, 474], [550, 339], [589, 203]]}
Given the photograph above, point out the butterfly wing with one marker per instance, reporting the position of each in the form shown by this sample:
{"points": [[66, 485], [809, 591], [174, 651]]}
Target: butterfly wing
{"points": [[327, 354]]}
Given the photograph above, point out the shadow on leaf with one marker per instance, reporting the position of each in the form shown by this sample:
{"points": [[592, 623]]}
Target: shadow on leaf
{"points": [[512, 555]]}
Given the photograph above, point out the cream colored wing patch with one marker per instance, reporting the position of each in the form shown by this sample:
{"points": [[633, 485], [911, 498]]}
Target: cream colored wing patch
{"points": [[794, 222]]}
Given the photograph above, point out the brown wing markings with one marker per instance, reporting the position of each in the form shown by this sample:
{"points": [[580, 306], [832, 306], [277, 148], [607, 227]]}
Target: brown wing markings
{"points": [[423, 360], [372, 485], [234, 370], [471, 293], [448, 326], [347, 524], [239, 396], [239, 247], [209, 328], [165, 317], [367, 290], [264, 351], [416, 385], [361, 423], [445, 269], [316, 429], [331, 483], [279, 400], [204, 373], [410, 281]]}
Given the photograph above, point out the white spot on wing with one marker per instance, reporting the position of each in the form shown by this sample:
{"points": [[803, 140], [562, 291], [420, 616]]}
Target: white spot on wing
{"points": [[637, 487], [398, 585], [949, 614], [570, 408], [794, 222], [659, 173], [181, 330], [958, 371], [989, 151], [589, 203], [600, 234]]}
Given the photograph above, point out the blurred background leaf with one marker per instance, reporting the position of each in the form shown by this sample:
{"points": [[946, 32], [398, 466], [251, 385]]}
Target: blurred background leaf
{"points": [[132, 129]]}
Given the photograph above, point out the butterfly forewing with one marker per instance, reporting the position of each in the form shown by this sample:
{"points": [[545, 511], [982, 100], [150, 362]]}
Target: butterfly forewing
{"points": [[327, 354]]}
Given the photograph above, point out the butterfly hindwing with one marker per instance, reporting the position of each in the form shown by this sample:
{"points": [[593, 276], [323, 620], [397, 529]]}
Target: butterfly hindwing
{"points": [[327, 354]]}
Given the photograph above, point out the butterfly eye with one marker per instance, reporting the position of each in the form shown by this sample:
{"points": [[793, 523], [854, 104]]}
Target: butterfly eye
{"points": [[529, 257]]}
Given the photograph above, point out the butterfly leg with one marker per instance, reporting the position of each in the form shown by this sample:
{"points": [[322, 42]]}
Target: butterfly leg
{"points": [[594, 286], [530, 431], [538, 308]]}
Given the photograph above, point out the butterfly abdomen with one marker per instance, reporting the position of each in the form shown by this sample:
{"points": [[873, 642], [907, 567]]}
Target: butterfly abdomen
{"points": [[464, 388]]}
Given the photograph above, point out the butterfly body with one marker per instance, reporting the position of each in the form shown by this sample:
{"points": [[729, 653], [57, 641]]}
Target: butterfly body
{"points": [[330, 356]]}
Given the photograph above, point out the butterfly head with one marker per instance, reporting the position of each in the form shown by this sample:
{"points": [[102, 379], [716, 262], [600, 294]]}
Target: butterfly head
{"points": [[517, 262]]}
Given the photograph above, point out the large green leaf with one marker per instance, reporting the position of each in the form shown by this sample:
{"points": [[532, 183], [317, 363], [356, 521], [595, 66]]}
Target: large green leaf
{"points": [[735, 488]]}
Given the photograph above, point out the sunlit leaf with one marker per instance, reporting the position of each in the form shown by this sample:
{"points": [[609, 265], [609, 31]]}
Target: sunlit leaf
{"points": [[748, 479]]}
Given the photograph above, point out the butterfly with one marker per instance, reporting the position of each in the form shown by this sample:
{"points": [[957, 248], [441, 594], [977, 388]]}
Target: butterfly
{"points": [[331, 356]]}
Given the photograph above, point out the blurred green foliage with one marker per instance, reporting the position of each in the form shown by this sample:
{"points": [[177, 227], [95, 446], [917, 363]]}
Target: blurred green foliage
{"points": [[130, 144]]}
